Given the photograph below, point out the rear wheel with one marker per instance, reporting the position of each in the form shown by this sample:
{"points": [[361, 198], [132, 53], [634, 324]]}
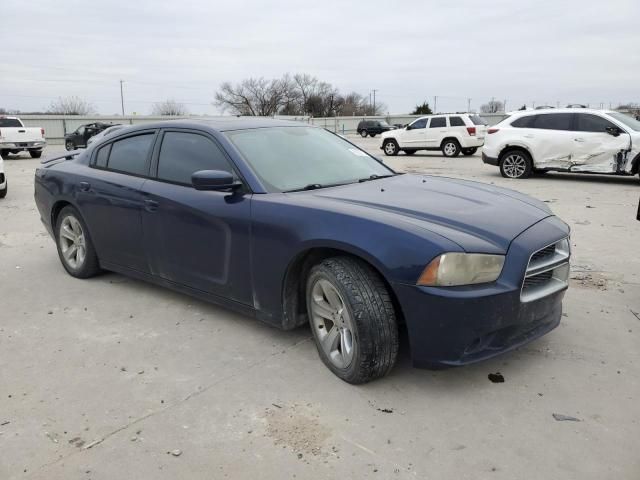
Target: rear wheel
{"points": [[75, 248], [469, 151], [352, 319], [516, 164], [391, 148], [450, 148], [373, 134], [3, 192], [69, 145], [363, 133], [35, 153], [409, 152]]}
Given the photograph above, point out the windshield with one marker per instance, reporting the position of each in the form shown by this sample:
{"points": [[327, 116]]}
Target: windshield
{"points": [[291, 158], [382, 123], [478, 120], [630, 122]]}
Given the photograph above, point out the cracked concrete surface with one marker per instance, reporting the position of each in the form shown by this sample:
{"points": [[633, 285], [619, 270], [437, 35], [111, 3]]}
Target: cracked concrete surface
{"points": [[104, 378]]}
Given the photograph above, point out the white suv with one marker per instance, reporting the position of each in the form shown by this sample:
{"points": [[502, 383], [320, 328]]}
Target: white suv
{"points": [[564, 140], [451, 133]]}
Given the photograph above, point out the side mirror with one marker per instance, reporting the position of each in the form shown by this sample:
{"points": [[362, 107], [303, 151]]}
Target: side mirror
{"points": [[408, 127], [615, 131], [214, 180]]}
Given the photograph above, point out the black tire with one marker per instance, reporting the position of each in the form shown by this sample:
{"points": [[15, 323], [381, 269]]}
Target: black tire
{"points": [[410, 152], [516, 163], [390, 148], [469, 151], [35, 153], [450, 148], [4, 153], [373, 134], [363, 133], [5, 190], [372, 316], [90, 266], [69, 145]]}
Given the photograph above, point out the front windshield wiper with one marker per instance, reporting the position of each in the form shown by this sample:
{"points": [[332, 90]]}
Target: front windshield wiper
{"points": [[375, 177], [312, 186]]}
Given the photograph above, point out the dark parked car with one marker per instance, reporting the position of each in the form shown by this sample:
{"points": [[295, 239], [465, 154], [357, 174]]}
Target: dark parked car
{"points": [[293, 224], [373, 127], [83, 133]]}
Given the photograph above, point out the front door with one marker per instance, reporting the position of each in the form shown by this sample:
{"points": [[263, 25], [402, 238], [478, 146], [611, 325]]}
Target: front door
{"points": [[196, 238], [596, 150], [414, 134]]}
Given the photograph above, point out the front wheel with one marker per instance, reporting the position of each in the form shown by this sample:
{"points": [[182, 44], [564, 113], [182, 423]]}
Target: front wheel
{"points": [[409, 152], [516, 164], [75, 248], [450, 148], [352, 319], [391, 148], [364, 133], [69, 145], [469, 151]]}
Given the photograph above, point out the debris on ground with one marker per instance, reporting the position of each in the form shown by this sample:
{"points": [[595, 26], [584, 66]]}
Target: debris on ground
{"points": [[176, 453], [496, 377], [385, 410], [565, 418]]}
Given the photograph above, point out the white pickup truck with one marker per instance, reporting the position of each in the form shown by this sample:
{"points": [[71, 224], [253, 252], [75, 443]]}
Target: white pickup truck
{"points": [[16, 138]]}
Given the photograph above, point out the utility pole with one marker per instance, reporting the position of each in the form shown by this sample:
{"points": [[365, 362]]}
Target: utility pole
{"points": [[504, 105], [122, 97], [435, 104], [468, 105], [374, 101]]}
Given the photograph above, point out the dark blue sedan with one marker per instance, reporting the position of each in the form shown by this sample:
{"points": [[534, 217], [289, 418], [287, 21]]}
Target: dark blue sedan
{"points": [[293, 224]]}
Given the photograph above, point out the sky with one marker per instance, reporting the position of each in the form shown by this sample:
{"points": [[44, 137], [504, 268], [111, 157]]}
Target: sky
{"points": [[534, 53]]}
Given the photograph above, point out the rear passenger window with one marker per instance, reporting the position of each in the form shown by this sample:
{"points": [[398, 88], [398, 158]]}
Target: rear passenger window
{"points": [[184, 153], [102, 156], [438, 122], [524, 122], [130, 154], [586, 122], [553, 121], [456, 122], [422, 123]]}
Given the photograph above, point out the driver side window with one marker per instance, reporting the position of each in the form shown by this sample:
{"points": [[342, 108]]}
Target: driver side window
{"points": [[422, 123]]}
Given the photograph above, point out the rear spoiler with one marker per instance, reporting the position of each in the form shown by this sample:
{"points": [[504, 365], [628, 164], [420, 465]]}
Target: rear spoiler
{"points": [[66, 156]]}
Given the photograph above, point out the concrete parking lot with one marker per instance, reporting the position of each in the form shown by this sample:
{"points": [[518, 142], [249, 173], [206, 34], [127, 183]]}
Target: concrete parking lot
{"points": [[111, 378]]}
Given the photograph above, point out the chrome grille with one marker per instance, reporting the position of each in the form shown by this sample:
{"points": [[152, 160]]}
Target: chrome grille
{"points": [[547, 271]]}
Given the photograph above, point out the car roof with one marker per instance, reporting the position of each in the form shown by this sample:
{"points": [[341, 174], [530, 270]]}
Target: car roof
{"points": [[431, 115], [559, 110], [221, 124]]}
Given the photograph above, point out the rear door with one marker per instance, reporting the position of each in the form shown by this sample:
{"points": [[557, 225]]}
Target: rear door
{"points": [[414, 136], [111, 200], [436, 132], [551, 138], [596, 150], [196, 238]]}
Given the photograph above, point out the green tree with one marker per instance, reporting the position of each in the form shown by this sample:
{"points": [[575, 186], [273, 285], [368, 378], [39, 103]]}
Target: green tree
{"points": [[423, 109]]}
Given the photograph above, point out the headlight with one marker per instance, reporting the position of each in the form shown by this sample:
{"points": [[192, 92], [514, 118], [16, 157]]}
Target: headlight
{"points": [[451, 269]]}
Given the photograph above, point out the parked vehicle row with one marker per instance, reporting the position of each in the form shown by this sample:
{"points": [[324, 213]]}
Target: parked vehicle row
{"points": [[293, 224], [451, 133], [16, 138], [564, 140]]}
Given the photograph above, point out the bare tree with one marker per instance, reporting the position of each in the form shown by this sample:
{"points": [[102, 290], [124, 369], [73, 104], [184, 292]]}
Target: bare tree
{"points": [[255, 96], [493, 106], [169, 108], [71, 106]]}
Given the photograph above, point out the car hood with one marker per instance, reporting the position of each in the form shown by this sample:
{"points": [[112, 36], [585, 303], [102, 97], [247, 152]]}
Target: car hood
{"points": [[476, 216]]}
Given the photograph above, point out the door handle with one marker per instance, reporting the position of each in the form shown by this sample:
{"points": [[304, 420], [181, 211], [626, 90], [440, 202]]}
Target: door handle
{"points": [[151, 205], [84, 186], [578, 140]]}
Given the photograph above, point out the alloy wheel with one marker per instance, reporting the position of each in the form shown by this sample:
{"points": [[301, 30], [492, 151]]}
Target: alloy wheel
{"points": [[514, 165], [72, 242], [450, 149], [333, 323], [390, 148]]}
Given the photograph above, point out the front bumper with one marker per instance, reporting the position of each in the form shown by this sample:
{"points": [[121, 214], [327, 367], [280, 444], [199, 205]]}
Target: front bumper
{"points": [[23, 145], [461, 325]]}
